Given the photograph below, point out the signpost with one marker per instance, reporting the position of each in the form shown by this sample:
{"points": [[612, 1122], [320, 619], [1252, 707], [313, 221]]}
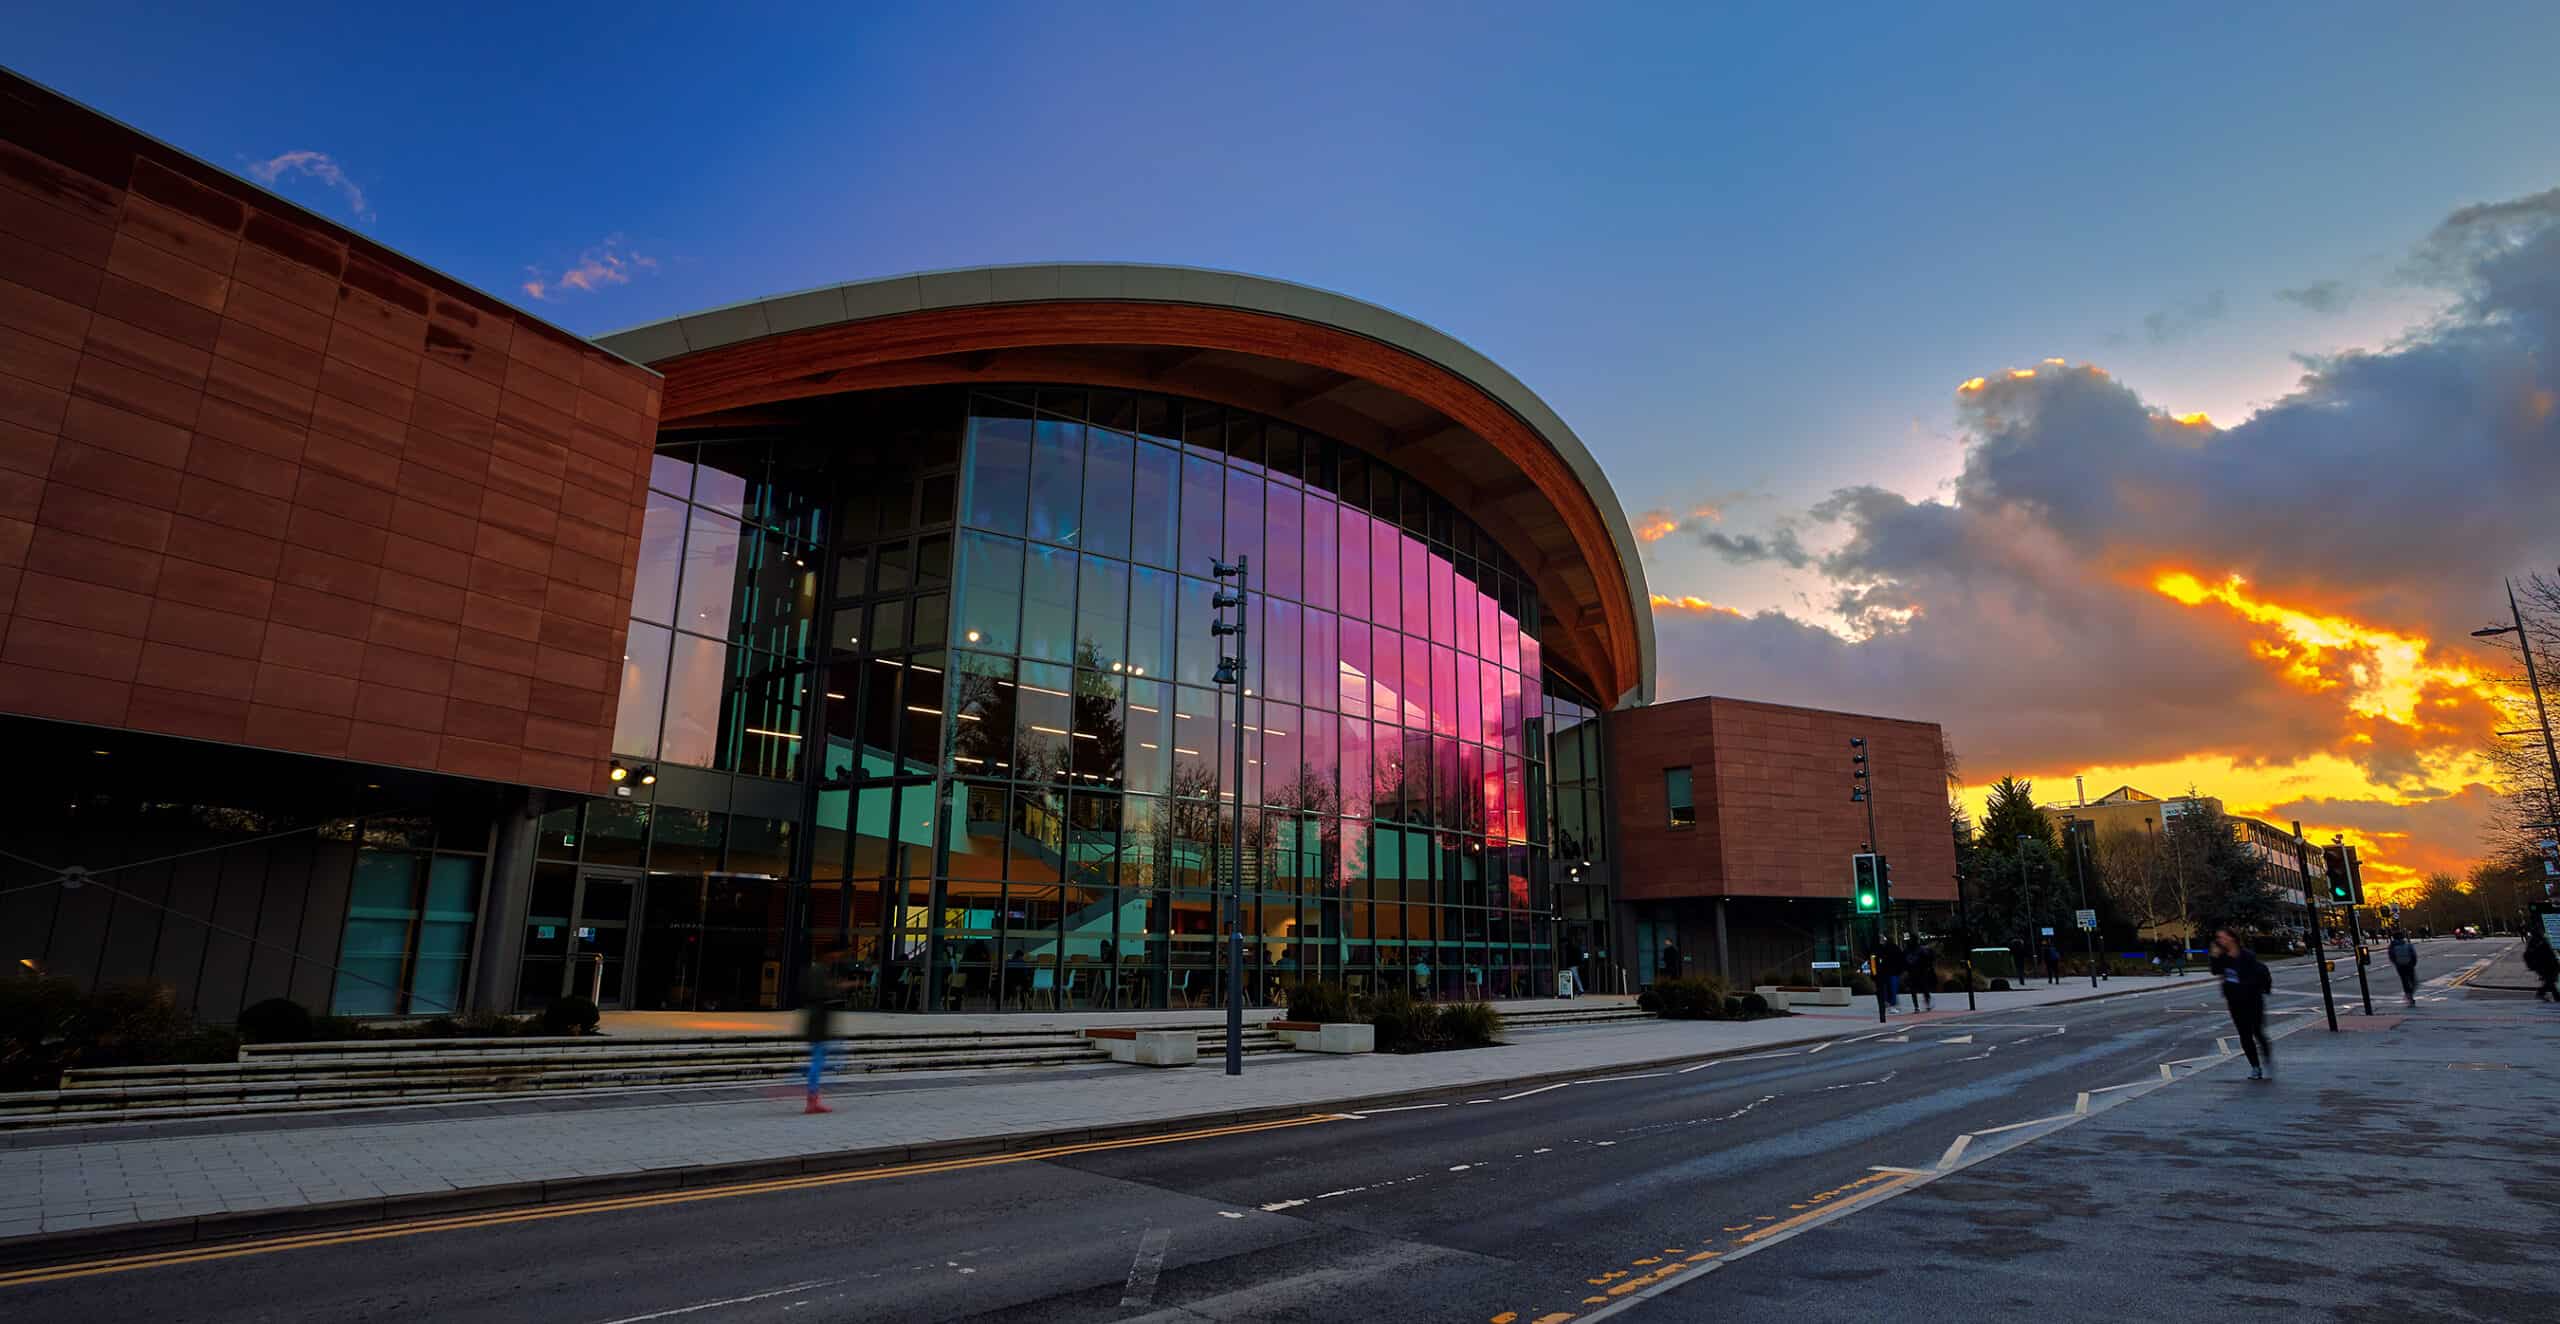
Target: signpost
{"points": [[2302, 865], [2088, 919]]}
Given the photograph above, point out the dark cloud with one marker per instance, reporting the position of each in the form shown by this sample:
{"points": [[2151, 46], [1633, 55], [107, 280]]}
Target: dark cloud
{"points": [[1745, 548], [2325, 297], [2178, 321], [2393, 488]]}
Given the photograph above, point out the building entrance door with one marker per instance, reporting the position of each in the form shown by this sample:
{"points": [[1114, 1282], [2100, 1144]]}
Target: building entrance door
{"points": [[599, 965]]}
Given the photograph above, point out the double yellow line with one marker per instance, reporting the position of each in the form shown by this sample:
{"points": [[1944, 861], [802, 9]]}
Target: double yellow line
{"points": [[615, 1204]]}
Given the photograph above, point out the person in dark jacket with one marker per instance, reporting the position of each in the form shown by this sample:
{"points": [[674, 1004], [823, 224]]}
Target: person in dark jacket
{"points": [[1889, 972], [1920, 972], [821, 988], [1670, 961], [2245, 985], [2052, 962], [2545, 965], [2404, 959]]}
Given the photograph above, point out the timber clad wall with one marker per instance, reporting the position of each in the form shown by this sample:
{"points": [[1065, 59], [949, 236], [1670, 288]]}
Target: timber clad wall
{"points": [[1771, 785], [265, 482]]}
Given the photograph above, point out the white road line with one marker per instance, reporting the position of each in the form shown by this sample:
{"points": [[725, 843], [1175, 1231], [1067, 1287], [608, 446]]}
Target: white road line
{"points": [[1907, 1172], [1540, 1090], [2110, 1089], [784, 1290], [2081, 1109], [1959, 1039], [1611, 1080], [1277, 1205], [1401, 1108], [2015, 1126], [1144, 1270], [1820, 1046], [1698, 1067], [2166, 1073], [1955, 1149], [1754, 1057]]}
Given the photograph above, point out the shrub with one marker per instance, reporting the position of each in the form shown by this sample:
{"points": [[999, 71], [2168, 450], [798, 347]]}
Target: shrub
{"points": [[1999, 983], [48, 1026], [1470, 1024], [39, 1021], [570, 1015], [1754, 1005], [1862, 984], [276, 1021], [1400, 1024], [1323, 1002], [1688, 998]]}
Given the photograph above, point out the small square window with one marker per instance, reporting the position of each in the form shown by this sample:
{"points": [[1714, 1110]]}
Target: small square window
{"points": [[1675, 788]]}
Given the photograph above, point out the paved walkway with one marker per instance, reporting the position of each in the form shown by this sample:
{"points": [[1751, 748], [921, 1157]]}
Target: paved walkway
{"points": [[754, 1024], [49, 1189]]}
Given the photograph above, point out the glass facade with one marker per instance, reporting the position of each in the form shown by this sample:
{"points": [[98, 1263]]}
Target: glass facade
{"points": [[986, 612]]}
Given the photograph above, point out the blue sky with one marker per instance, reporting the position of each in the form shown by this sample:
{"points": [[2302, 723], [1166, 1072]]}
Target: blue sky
{"points": [[1747, 252]]}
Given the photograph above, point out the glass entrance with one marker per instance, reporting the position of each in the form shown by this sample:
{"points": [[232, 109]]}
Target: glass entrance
{"points": [[599, 945]]}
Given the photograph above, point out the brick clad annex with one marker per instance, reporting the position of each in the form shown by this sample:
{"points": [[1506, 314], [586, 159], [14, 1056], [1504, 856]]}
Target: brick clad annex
{"points": [[267, 483], [1774, 824]]}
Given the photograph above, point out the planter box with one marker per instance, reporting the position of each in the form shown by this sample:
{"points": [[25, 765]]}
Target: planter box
{"points": [[1782, 996], [1148, 1048], [1776, 997], [1309, 1037]]}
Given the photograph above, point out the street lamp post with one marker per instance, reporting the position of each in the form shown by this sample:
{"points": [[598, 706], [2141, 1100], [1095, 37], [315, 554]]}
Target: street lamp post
{"points": [[1231, 672], [2026, 906], [1862, 791], [2080, 873], [2541, 718]]}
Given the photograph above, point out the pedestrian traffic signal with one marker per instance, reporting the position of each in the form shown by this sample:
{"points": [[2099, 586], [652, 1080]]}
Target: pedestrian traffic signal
{"points": [[2341, 884], [1866, 883]]}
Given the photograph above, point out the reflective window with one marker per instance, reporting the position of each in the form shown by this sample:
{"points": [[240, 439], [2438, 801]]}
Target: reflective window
{"points": [[653, 592], [1057, 481], [1106, 493], [1155, 506], [989, 609], [999, 482], [644, 690]]}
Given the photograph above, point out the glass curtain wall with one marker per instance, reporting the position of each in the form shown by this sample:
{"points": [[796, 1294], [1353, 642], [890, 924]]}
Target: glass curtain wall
{"points": [[989, 622]]}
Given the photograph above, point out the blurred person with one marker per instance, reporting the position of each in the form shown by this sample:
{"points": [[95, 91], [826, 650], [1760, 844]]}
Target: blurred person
{"points": [[2245, 985]]}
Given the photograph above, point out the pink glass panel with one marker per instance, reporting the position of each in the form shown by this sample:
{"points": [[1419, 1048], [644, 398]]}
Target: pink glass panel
{"points": [[1285, 631], [1465, 635], [1443, 594], [1353, 671], [1353, 547], [1515, 799], [1320, 662], [1416, 584], [1510, 643], [1417, 684], [1280, 539], [1355, 767], [1386, 557], [1323, 533], [1386, 676], [1470, 700], [1511, 711], [1444, 690]]}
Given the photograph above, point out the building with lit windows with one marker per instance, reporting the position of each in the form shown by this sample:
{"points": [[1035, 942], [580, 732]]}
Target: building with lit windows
{"points": [[368, 641]]}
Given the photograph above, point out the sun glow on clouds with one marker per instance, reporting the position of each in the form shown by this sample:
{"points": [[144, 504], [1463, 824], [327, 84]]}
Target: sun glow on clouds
{"points": [[1689, 603], [2386, 674]]}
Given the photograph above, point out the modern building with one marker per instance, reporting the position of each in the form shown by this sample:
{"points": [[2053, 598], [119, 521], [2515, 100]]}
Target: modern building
{"points": [[370, 642], [2129, 810], [1737, 824]]}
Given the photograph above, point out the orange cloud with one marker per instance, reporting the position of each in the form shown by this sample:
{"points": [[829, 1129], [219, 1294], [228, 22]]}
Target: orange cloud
{"points": [[1689, 603], [2385, 674], [1656, 525], [609, 263]]}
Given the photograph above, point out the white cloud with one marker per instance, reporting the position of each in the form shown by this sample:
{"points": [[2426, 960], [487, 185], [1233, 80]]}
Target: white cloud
{"points": [[319, 166], [608, 263]]}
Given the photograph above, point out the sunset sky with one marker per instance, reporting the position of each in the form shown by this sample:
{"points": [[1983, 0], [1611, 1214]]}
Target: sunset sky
{"points": [[2154, 395]]}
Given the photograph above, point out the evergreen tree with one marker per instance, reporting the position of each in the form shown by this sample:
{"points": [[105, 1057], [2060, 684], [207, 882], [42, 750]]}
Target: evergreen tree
{"points": [[2234, 890]]}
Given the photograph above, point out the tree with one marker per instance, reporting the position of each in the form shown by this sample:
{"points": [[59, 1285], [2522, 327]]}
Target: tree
{"points": [[2229, 881], [2016, 900], [2130, 872]]}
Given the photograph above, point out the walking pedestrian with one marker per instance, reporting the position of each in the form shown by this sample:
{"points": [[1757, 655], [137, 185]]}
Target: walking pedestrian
{"points": [[1670, 961], [2245, 985], [1889, 972], [2404, 958], [1920, 971], [2052, 962], [2545, 965], [820, 989]]}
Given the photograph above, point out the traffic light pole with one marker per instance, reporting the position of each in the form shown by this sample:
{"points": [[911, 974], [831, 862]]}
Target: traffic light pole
{"points": [[1862, 790], [2080, 875], [2355, 934], [2319, 957], [1232, 671]]}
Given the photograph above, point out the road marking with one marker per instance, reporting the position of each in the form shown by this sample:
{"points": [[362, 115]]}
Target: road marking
{"points": [[784, 1290], [1959, 1039], [2081, 1108], [1277, 1205], [616, 1204], [1954, 1150], [1540, 1090], [1906, 1172], [1612, 1080], [2166, 1073], [1699, 1067], [1400, 1108], [1820, 1046], [1897, 1039], [1755, 1057], [2019, 1126], [1144, 1270]]}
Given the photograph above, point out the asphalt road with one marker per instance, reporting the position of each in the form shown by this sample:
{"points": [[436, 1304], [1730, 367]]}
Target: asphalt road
{"points": [[1651, 1196]]}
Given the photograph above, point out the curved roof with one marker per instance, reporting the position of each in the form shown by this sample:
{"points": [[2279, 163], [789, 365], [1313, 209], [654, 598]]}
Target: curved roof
{"points": [[1356, 372]]}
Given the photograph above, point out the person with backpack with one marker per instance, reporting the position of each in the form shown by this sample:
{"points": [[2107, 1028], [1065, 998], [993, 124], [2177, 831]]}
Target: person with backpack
{"points": [[2245, 985], [1920, 971], [2545, 965], [2404, 959], [1889, 972]]}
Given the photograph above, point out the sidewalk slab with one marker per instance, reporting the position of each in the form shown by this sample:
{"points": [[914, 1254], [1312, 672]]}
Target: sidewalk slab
{"points": [[164, 1190]]}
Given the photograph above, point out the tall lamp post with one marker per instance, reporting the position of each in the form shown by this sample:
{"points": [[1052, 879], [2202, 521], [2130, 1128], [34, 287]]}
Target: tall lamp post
{"points": [[2026, 905], [1231, 671], [2541, 718], [2080, 872]]}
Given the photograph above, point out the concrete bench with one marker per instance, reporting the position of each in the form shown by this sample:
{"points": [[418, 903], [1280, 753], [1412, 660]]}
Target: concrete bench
{"points": [[1782, 996], [1315, 1037], [1148, 1048]]}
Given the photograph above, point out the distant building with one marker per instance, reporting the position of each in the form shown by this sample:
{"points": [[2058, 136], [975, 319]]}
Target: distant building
{"points": [[2128, 809]]}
